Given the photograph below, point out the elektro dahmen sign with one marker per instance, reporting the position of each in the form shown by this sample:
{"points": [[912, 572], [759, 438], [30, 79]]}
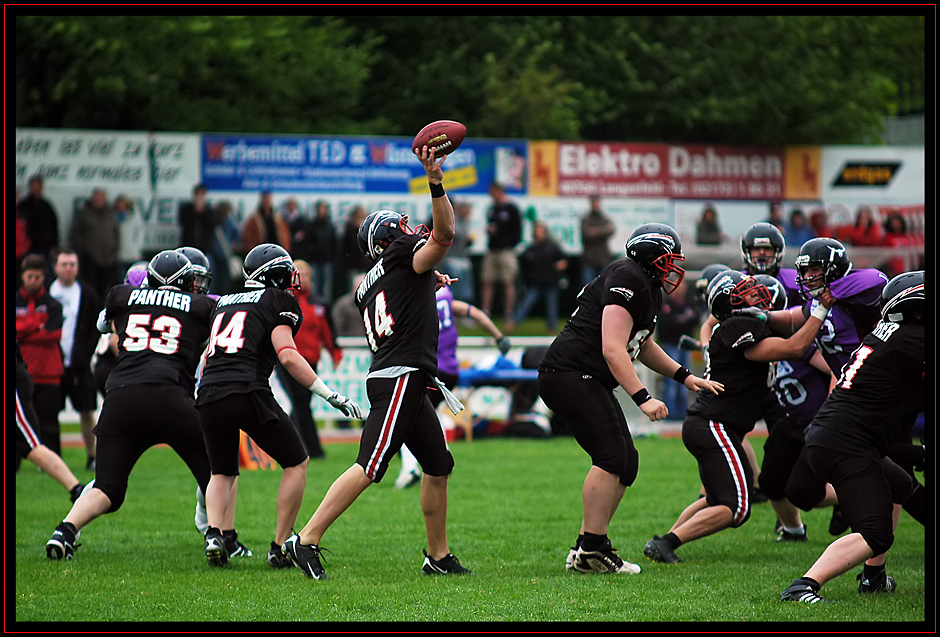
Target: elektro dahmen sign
{"points": [[667, 170]]}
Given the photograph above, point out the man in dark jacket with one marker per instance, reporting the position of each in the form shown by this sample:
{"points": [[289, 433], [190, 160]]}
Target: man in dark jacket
{"points": [[80, 308]]}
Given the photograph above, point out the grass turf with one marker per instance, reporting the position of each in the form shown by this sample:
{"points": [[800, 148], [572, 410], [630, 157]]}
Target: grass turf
{"points": [[515, 508]]}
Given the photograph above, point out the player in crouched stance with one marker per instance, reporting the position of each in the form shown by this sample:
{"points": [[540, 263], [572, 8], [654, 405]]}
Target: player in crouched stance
{"points": [[880, 390], [250, 331], [397, 301], [593, 354], [740, 355]]}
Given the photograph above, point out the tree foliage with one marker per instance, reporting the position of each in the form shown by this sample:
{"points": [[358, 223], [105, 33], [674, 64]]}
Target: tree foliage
{"points": [[738, 79]]}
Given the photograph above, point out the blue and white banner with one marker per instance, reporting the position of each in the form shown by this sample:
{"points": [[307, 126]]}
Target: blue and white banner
{"points": [[354, 165]]}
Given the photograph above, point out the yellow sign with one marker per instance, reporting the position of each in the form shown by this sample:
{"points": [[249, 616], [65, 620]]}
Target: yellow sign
{"points": [[543, 169], [803, 173], [453, 179]]}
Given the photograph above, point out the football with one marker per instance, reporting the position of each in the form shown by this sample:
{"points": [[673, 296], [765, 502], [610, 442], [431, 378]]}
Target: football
{"points": [[445, 136]]}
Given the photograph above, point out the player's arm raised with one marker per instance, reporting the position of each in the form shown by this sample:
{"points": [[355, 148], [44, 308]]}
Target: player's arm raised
{"points": [[431, 253]]}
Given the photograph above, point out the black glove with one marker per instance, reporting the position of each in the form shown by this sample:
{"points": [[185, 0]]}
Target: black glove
{"points": [[503, 344]]}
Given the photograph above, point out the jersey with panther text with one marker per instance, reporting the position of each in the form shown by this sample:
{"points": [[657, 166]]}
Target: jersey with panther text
{"points": [[879, 392], [161, 333], [578, 346], [399, 310], [240, 356]]}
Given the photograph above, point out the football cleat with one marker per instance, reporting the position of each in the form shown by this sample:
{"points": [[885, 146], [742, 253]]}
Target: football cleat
{"points": [[63, 542], [786, 536], [216, 554], [882, 583], [659, 550], [306, 557], [569, 562], [603, 560], [277, 558], [408, 478], [800, 591], [447, 565], [202, 517], [234, 548]]}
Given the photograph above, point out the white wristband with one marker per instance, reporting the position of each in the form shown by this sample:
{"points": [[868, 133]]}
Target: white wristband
{"points": [[320, 389], [819, 310]]}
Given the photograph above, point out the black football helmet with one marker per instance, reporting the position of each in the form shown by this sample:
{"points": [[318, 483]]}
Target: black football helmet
{"points": [[173, 269], [379, 229], [826, 253], [656, 247], [708, 274], [778, 293], [763, 235], [733, 290], [902, 299], [270, 266], [201, 268]]}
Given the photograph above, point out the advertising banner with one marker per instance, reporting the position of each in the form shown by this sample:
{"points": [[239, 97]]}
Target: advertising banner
{"points": [[354, 165], [664, 170]]}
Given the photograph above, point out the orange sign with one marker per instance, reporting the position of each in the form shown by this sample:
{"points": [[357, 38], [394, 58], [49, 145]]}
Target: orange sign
{"points": [[803, 173]]}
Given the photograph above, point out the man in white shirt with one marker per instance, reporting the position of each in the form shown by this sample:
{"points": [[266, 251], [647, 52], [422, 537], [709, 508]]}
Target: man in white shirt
{"points": [[78, 342]]}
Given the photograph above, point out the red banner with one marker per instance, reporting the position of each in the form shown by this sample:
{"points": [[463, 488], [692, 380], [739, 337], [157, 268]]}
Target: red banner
{"points": [[673, 171]]}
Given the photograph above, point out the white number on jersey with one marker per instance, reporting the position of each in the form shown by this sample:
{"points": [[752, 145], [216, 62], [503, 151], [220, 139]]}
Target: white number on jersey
{"points": [[229, 338], [138, 334], [383, 321]]}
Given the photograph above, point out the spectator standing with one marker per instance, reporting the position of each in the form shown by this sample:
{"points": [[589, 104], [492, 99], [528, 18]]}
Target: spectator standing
{"points": [[895, 236], [96, 239], [819, 222], [313, 336], [347, 320], [80, 306], [500, 265], [865, 232], [543, 265], [457, 263], [297, 222], [679, 316], [708, 231], [775, 216], [265, 225], [131, 231], [324, 241], [351, 260], [197, 220], [596, 230], [223, 251], [38, 331], [42, 223], [798, 231]]}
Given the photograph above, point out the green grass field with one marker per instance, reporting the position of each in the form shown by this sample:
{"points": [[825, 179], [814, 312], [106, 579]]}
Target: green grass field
{"points": [[515, 507]]}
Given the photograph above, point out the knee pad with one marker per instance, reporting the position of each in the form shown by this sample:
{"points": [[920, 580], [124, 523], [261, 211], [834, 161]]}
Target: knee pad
{"points": [[805, 494], [115, 495], [876, 533], [443, 467], [624, 464]]}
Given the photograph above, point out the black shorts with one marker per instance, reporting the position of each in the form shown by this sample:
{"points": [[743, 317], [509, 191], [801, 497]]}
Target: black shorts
{"points": [[26, 436], [259, 415], [78, 385], [722, 465], [402, 413], [595, 418], [781, 450], [137, 417]]}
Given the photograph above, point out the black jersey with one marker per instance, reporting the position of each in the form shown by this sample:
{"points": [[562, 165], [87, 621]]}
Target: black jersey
{"points": [[880, 391], [747, 383], [399, 309], [578, 347], [161, 333], [240, 356]]}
